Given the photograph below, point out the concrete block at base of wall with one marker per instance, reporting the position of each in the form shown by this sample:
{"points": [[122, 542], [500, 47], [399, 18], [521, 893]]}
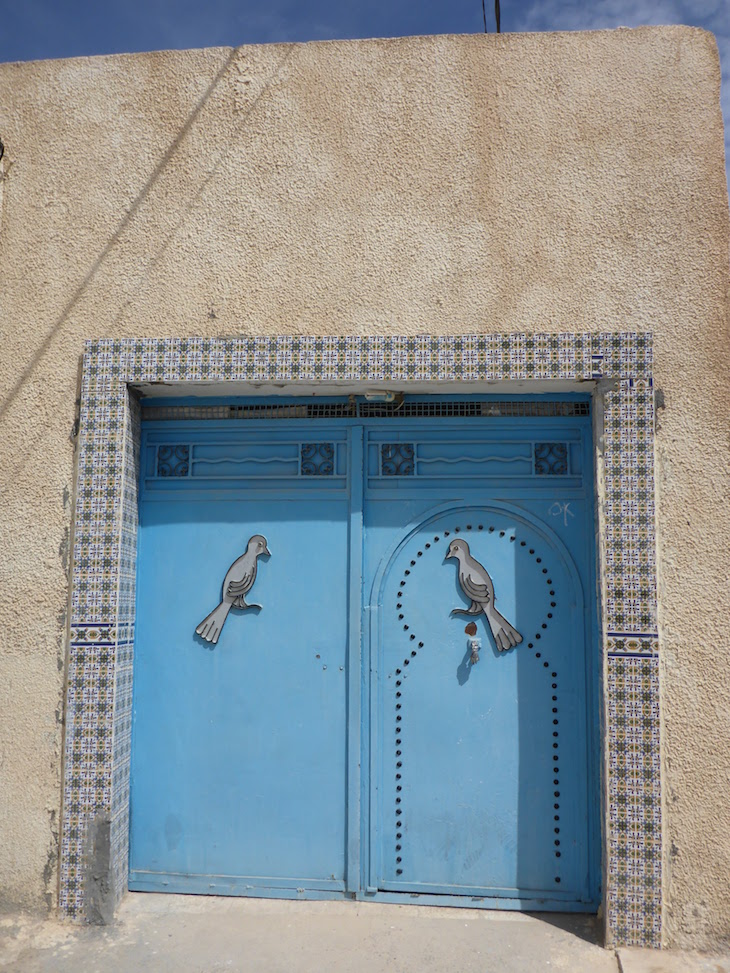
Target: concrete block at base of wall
{"points": [[651, 961]]}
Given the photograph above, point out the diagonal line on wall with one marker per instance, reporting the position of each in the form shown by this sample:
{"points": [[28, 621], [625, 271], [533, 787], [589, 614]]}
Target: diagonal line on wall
{"points": [[134, 209]]}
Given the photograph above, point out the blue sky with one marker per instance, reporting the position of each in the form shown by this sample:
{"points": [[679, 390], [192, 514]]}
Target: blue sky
{"points": [[32, 29]]}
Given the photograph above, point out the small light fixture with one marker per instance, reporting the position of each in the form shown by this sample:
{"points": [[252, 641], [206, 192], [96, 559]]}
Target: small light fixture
{"points": [[377, 395]]}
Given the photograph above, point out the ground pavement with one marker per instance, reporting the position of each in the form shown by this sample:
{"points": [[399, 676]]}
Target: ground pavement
{"points": [[201, 934]]}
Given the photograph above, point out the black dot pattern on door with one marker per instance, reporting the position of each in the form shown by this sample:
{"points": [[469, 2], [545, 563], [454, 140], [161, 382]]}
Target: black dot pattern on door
{"points": [[414, 645]]}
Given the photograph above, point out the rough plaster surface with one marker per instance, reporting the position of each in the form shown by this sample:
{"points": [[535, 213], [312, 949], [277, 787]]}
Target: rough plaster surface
{"points": [[552, 182]]}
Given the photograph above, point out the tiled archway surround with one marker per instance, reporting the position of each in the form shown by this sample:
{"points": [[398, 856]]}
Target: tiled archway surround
{"points": [[99, 695]]}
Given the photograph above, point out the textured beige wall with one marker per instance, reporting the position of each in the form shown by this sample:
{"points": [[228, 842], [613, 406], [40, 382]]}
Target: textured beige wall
{"points": [[442, 184]]}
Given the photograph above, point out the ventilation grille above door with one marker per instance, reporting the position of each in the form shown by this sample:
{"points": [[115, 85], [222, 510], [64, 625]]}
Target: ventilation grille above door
{"points": [[354, 409], [469, 409], [309, 410]]}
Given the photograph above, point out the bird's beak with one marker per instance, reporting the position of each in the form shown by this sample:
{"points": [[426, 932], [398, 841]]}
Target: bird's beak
{"points": [[266, 551]]}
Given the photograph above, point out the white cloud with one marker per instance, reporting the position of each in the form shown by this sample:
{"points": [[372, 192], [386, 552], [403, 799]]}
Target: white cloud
{"points": [[579, 15]]}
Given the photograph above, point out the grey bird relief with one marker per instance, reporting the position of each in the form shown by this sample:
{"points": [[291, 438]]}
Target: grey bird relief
{"points": [[237, 583], [476, 584]]}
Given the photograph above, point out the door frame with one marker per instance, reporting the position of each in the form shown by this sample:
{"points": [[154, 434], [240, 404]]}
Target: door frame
{"points": [[363, 608], [618, 367]]}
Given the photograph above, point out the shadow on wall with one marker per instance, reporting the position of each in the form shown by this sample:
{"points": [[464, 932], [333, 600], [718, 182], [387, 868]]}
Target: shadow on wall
{"points": [[133, 209]]}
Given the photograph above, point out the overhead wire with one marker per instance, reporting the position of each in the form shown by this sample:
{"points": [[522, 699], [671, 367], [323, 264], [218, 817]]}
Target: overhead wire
{"points": [[497, 16]]}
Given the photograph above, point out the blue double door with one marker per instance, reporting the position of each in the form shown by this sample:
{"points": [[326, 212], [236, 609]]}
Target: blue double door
{"points": [[400, 701]]}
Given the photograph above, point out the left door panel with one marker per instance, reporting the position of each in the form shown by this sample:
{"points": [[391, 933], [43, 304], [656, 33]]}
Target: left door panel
{"points": [[239, 748]]}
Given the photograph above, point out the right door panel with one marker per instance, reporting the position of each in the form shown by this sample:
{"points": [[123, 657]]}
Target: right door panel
{"points": [[483, 777]]}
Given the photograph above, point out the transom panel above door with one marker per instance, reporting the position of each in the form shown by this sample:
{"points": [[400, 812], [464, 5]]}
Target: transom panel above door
{"points": [[410, 712]]}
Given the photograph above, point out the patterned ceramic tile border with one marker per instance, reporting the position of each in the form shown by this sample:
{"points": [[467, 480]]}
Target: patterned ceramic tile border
{"points": [[98, 706], [634, 826]]}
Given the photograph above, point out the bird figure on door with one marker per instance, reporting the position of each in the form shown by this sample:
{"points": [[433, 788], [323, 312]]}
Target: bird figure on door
{"points": [[476, 584], [237, 583]]}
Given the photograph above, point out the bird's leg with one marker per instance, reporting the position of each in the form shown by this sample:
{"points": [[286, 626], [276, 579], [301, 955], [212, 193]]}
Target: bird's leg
{"points": [[473, 609], [241, 603]]}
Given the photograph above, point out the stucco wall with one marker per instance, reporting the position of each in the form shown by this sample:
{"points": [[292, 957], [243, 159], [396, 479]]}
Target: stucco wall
{"points": [[447, 185]]}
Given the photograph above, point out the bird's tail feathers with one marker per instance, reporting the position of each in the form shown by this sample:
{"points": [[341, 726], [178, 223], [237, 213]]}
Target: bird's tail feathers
{"points": [[210, 628], [505, 635]]}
